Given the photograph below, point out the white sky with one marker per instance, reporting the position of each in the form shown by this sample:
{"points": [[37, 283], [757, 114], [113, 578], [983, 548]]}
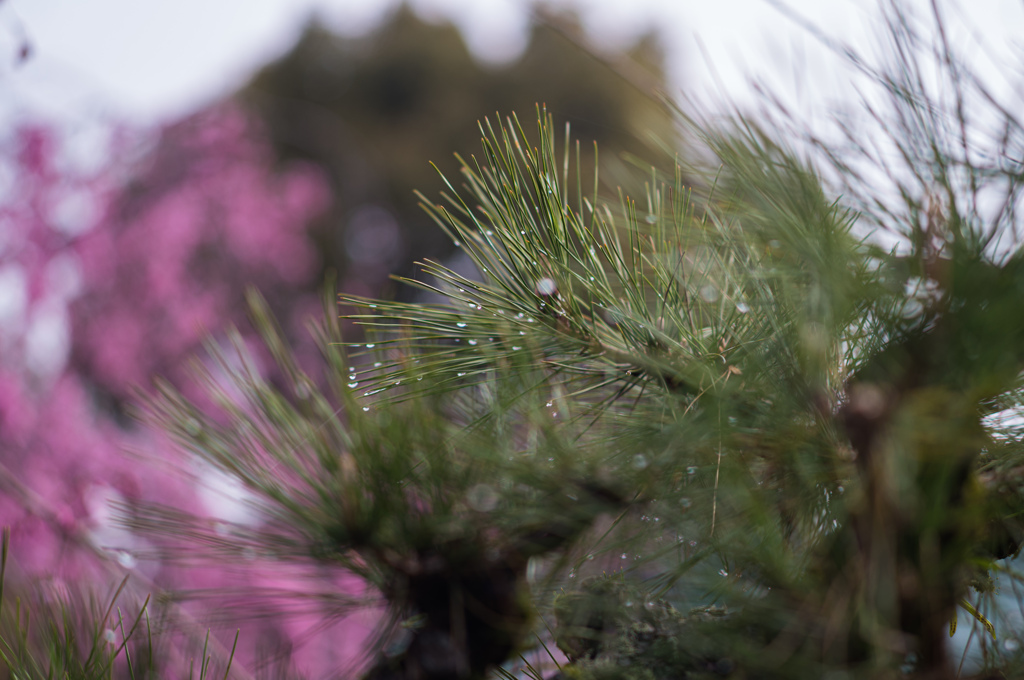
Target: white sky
{"points": [[147, 61]]}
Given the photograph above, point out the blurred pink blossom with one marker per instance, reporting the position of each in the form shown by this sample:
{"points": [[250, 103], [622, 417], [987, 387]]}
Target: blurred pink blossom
{"points": [[135, 274]]}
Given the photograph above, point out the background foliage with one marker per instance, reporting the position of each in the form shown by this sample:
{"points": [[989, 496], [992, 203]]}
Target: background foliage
{"points": [[376, 112]]}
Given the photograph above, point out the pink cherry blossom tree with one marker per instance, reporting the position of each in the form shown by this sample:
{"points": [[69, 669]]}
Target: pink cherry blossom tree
{"points": [[109, 277]]}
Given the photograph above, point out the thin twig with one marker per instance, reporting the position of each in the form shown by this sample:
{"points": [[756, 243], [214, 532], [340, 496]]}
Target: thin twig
{"points": [[718, 469]]}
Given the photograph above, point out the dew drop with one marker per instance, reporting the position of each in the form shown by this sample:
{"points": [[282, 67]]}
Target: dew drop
{"points": [[461, 373], [709, 293], [547, 286], [549, 404], [742, 307], [516, 348], [370, 345], [472, 342], [377, 364], [723, 572], [353, 385], [461, 324], [624, 557], [691, 470], [126, 559], [366, 408]]}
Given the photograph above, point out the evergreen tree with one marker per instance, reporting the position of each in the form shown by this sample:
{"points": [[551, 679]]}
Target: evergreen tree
{"points": [[795, 445]]}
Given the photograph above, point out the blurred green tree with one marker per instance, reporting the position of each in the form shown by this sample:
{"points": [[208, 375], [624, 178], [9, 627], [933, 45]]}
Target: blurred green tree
{"points": [[375, 111]]}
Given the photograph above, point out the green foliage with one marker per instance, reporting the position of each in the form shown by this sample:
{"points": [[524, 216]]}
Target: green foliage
{"points": [[663, 339], [50, 636], [611, 628], [730, 394], [431, 501], [61, 630]]}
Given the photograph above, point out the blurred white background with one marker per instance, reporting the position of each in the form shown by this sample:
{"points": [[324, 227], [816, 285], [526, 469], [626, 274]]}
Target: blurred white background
{"points": [[146, 61]]}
